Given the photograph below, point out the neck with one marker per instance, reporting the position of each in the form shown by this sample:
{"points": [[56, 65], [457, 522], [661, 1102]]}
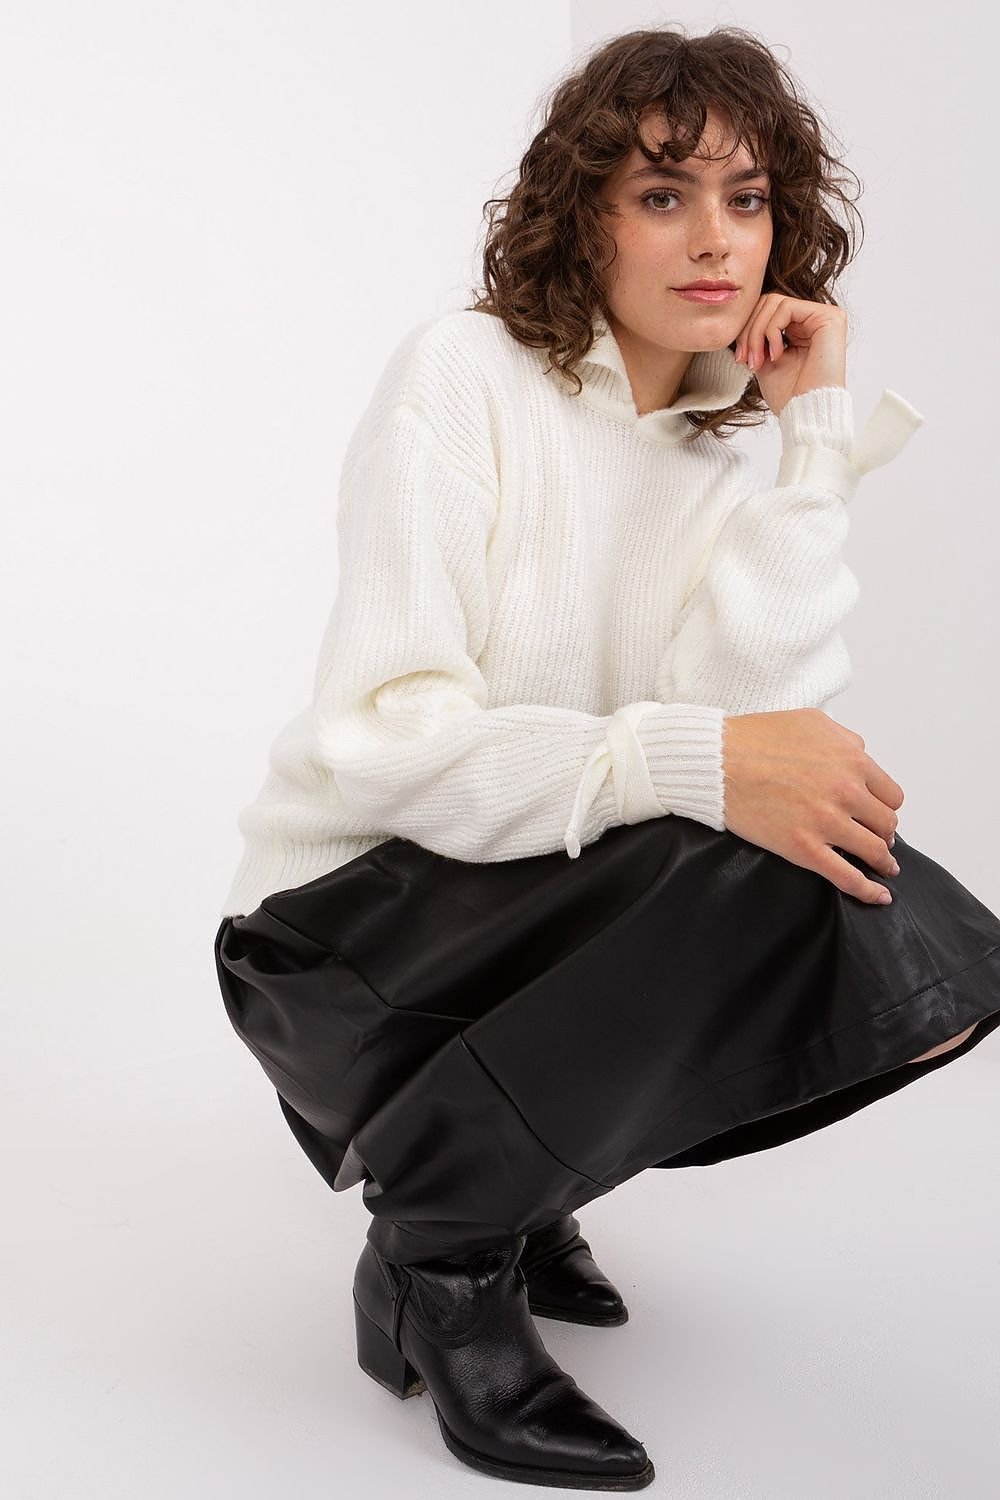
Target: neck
{"points": [[655, 374]]}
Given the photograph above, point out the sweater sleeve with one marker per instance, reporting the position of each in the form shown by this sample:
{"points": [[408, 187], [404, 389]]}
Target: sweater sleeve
{"points": [[760, 626], [400, 711]]}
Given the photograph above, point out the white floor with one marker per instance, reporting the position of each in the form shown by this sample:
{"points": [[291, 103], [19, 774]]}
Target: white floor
{"points": [[817, 1322]]}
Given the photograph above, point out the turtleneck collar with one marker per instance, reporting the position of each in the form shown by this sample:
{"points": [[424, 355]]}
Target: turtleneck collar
{"points": [[713, 380]]}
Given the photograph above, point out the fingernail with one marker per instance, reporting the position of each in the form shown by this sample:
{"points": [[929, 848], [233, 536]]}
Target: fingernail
{"points": [[895, 867], [885, 896]]}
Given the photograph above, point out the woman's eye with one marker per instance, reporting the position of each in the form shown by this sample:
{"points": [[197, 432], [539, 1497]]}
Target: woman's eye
{"points": [[760, 198]]}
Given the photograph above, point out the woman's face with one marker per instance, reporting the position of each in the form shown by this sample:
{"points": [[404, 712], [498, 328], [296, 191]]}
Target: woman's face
{"points": [[672, 231]]}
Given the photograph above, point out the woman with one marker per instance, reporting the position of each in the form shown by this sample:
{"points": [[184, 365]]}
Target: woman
{"points": [[565, 873]]}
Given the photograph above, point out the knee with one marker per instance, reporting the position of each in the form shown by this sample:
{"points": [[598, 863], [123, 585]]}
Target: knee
{"points": [[955, 1041]]}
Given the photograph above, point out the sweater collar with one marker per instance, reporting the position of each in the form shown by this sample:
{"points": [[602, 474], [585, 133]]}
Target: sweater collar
{"points": [[713, 380]]}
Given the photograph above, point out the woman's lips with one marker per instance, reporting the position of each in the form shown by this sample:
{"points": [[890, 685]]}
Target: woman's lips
{"points": [[702, 294]]}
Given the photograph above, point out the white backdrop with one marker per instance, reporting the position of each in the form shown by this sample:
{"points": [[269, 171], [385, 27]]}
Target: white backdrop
{"points": [[217, 221]]}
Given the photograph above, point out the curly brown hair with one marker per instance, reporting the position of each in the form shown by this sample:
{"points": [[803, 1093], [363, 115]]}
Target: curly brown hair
{"points": [[543, 257]]}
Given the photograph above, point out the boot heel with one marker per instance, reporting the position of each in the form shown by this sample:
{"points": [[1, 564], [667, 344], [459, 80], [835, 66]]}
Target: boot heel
{"points": [[379, 1358]]}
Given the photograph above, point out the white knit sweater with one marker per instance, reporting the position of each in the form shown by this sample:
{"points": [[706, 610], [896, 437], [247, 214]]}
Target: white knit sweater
{"points": [[548, 604]]}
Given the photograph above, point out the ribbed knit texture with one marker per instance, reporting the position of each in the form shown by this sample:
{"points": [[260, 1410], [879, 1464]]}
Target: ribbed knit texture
{"points": [[547, 606]]}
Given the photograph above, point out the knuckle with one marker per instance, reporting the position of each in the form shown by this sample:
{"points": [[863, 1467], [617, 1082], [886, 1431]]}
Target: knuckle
{"points": [[803, 848], [804, 843]]}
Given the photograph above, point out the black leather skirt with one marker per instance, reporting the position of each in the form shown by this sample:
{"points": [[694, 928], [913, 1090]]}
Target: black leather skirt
{"points": [[486, 1046]]}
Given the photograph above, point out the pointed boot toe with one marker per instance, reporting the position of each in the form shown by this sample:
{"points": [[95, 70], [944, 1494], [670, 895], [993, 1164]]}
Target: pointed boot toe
{"points": [[572, 1444], [459, 1328], [564, 1281]]}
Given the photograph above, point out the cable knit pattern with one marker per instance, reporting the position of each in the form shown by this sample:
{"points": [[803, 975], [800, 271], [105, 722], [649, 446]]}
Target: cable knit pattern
{"points": [[549, 603]]}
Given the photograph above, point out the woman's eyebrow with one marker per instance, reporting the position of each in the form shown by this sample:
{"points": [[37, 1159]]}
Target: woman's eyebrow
{"points": [[681, 176]]}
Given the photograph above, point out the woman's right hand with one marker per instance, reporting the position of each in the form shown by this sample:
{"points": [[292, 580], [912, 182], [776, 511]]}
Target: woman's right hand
{"points": [[800, 784]]}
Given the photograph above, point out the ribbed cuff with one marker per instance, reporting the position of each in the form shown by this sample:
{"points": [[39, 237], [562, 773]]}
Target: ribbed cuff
{"points": [[822, 418], [683, 748], [817, 434]]}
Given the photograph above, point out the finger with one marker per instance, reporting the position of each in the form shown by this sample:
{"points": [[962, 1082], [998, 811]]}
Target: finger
{"points": [[776, 314], [774, 335], [771, 331], [784, 322], [749, 337], [873, 814], [748, 332], [882, 785], [870, 847], [847, 877]]}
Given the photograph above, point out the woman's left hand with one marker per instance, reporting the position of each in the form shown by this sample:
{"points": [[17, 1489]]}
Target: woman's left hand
{"points": [[815, 353]]}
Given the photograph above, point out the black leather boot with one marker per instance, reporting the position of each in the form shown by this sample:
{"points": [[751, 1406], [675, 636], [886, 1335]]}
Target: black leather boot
{"points": [[564, 1281], [459, 1328]]}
